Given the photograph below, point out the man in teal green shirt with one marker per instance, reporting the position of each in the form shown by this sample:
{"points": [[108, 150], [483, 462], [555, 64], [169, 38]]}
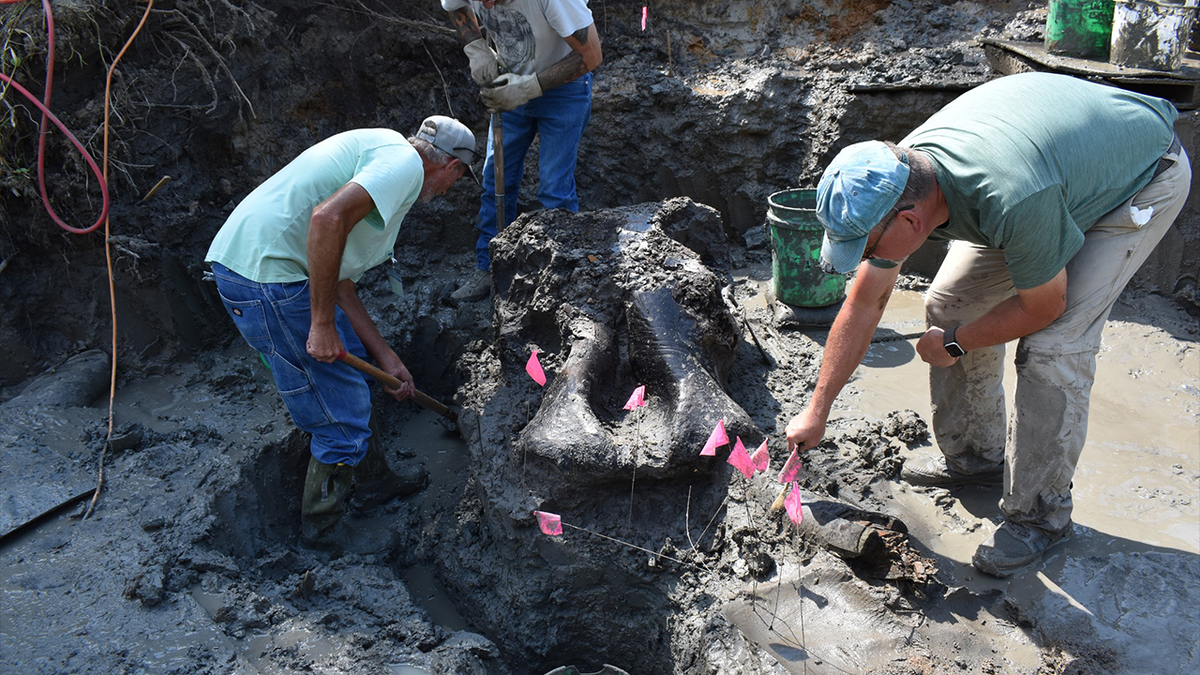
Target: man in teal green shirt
{"points": [[1054, 190], [286, 262]]}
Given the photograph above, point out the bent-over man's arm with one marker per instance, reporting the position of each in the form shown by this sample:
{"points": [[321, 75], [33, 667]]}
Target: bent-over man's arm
{"points": [[849, 339], [329, 227], [373, 340], [331, 223], [1029, 311]]}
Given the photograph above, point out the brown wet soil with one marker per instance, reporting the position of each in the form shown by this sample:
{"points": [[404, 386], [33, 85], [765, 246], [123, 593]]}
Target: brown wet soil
{"points": [[190, 563]]}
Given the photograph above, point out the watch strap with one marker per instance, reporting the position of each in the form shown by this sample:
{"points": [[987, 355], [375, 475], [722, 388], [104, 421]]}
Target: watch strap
{"points": [[951, 344]]}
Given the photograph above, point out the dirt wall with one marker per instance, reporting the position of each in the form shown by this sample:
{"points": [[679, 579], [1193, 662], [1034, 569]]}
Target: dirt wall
{"points": [[724, 103]]}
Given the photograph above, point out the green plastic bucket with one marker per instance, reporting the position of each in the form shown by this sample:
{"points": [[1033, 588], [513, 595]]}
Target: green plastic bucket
{"points": [[796, 251], [1080, 28]]}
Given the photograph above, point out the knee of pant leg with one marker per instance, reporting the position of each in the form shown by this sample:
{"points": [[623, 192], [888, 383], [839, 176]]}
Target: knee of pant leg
{"points": [[935, 305], [333, 446], [558, 191], [1075, 370]]}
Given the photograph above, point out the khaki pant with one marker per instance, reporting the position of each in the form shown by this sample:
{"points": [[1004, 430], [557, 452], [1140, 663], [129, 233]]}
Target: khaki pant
{"points": [[1055, 366]]}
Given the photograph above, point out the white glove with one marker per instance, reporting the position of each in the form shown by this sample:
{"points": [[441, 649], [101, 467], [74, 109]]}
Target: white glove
{"points": [[485, 64], [510, 91]]}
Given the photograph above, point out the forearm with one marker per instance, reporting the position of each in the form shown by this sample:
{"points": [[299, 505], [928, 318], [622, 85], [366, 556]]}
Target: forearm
{"points": [[325, 248], [368, 333], [849, 339], [1027, 312], [1003, 323], [569, 69], [850, 335], [583, 59]]}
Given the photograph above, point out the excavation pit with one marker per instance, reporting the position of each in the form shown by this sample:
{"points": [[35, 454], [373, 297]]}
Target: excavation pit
{"points": [[190, 561]]}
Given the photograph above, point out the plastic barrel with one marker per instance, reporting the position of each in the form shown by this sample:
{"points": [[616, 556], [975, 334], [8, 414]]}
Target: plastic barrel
{"points": [[796, 251], [1080, 28]]}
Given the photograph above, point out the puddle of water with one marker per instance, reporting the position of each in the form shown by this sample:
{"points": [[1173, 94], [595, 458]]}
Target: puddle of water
{"points": [[431, 595], [446, 459], [1139, 476], [313, 646], [157, 401]]}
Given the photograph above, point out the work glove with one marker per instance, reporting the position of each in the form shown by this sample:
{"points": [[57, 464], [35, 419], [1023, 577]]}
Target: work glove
{"points": [[510, 91], [485, 64]]}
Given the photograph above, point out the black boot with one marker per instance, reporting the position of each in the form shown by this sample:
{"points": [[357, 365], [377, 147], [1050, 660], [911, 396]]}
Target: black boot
{"points": [[322, 508], [375, 484]]}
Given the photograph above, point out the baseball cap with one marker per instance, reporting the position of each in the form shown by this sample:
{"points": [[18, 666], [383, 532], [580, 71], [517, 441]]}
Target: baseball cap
{"points": [[862, 183], [450, 136]]}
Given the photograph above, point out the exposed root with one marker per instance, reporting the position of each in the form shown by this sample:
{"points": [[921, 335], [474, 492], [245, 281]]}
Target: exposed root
{"points": [[212, 52]]}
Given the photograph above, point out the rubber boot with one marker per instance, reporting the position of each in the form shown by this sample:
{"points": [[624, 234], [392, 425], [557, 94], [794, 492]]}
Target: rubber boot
{"points": [[375, 484], [322, 508]]}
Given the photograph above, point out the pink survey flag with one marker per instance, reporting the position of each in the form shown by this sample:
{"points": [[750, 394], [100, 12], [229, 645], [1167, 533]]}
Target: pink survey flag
{"points": [[761, 459], [795, 509], [791, 468], [716, 439], [534, 368], [637, 398], [550, 523], [741, 459], [644, 8]]}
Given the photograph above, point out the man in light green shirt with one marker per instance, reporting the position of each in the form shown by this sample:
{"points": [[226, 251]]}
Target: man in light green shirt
{"points": [[286, 262], [1054, 190]]}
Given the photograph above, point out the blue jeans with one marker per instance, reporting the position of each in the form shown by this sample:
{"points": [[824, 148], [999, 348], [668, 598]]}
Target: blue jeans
{"points": [[332, 401], [559, 117]]}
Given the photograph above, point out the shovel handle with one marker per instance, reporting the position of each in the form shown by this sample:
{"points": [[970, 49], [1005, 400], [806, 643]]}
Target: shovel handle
{"points": [[498, 165], [387, 378]]}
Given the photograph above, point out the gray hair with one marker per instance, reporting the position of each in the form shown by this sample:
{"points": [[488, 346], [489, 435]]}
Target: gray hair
{"points": [[430, 153], [922, 179]]}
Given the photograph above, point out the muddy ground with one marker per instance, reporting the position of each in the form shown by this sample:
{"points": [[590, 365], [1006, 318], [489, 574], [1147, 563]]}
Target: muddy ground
{"points": [[189, 562]]}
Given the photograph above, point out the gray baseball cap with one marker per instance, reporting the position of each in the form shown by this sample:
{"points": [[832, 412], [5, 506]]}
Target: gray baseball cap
{"points": [[450, 136]]}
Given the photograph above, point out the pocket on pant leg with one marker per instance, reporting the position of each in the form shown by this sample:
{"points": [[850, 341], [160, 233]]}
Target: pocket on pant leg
{"points": [[251, 320], [298, 394]]}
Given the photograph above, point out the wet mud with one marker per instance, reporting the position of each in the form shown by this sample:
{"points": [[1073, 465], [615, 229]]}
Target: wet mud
{"points": [[669, 562]]}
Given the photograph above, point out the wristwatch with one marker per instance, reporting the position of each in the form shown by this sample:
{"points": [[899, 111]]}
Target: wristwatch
{"points": [[951, 344]]}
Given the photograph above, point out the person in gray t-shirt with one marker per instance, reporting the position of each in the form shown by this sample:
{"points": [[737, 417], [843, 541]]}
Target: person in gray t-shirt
{"points": [[1054, 190]]}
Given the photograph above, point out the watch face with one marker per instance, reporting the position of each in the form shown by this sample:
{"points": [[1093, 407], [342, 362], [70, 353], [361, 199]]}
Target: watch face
{"points": [[951, 344]]}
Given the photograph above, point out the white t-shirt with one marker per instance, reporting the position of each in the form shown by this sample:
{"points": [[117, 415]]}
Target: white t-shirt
{"points": [[528, 34]]}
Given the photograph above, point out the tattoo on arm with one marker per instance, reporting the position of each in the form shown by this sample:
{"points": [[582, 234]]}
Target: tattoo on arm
{"points": [[572, 66], [567, 70], [463, 20]]}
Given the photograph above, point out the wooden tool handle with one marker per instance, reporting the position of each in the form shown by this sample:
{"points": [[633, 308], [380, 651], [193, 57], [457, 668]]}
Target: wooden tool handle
{"points": [[498, 164], [420, 397]]}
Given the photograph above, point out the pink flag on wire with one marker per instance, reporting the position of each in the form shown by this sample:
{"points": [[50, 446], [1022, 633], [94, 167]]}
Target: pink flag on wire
{"points": [[644, 8], [741, 459], [761, 459], [716, 439], [637, 398], [550, 523], [795, 509], [534, 368], [791, 468]]}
